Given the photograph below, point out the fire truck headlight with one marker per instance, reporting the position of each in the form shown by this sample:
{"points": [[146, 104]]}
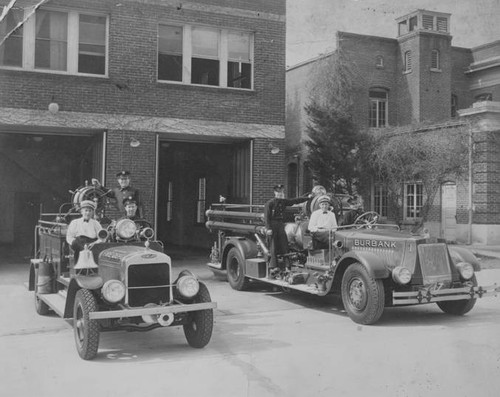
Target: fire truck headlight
{"points": [[113, 291], [126, 228], [188, 286], [401, 275], [466, 270]]}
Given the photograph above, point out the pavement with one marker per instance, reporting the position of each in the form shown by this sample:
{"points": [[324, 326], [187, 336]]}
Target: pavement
{"points": [[492, 251]]}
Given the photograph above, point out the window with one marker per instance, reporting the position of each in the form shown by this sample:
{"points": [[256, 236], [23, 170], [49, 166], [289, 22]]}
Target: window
{"points": [[380, 200], [454, 105], [379, 61], [407, 66], [428, 22], [413, 196], [200, 210], [378, 108], [205, 56], [59, 41], [239, 66], [442, 24], [435, 60], [170, 53], [92, 44], [11, 51], [402, 28], [483, 97], [413, 23]]}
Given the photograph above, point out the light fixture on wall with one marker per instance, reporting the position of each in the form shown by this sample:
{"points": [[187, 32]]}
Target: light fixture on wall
{"points": [[53, 106], [274, 149], [134, 142]]}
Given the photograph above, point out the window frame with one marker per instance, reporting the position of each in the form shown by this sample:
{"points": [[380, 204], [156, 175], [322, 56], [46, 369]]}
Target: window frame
{"points": [[415, 207], [435, 65], [378, 102], [380, 200], [72, 48], [223, 55], [201, 201], [407, 62]]}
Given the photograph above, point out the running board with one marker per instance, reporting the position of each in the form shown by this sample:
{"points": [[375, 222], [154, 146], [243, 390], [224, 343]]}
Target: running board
{"points": [[56, 302], [307, 288]]}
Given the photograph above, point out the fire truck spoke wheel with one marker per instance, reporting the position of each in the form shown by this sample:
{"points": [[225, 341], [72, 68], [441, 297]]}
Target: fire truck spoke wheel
{"points": [[236, 270], [460, 307], [362, 295], [199, 329], [86, 330]]}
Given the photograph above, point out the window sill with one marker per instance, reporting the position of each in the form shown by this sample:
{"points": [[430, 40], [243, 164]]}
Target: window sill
{"points": [[436, 70], [186, 86], [407, 71], [53, 72]]}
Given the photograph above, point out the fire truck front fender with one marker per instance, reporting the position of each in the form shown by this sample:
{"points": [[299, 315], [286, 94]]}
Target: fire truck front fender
{"points": [[375, 265], [460, 254], [246, 247]]}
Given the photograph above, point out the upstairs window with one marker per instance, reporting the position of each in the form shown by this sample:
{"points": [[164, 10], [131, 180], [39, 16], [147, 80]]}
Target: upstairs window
{"points": [[205, 56], [11, 51], [413, 23], [442, 24], [435, 60], [205, 61], [378, 113], [407, 65], [60, 41], [428, 22], [170, 53]]}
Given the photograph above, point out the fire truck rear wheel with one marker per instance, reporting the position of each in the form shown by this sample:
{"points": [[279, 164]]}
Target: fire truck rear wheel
{"points": [[460, 307], [199, 329], [236, 270], [362, 295], [86, 330]]}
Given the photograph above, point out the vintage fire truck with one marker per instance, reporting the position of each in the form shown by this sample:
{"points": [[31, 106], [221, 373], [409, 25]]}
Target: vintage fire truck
{"points": [[123, 282], [368, 265]]}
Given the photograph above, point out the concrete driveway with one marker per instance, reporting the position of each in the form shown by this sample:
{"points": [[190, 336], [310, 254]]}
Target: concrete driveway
{"points": [[265, 343]]}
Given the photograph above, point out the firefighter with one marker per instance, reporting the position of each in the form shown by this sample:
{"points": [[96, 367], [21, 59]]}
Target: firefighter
{"points": [[122, 192], [274, 212], [130, 206]]}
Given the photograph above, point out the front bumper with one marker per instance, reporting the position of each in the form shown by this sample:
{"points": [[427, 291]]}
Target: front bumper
{"points": [[151, 311], [433, 294]]}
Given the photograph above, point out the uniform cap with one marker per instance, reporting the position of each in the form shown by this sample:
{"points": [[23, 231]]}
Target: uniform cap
{"points": [[88, 204], [278, 188], [122, 174], [129, 200], [324, 199]]}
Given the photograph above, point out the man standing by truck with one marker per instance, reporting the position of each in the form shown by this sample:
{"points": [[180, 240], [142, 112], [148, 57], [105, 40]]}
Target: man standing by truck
{"points": [[274, 212]]}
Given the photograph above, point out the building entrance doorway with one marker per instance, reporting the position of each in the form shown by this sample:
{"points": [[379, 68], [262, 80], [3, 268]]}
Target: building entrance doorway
{"points": [[191, 177]]}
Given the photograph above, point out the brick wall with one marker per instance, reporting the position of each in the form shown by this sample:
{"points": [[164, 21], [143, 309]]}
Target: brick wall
{"points": [[268, 169], [132, 87]]}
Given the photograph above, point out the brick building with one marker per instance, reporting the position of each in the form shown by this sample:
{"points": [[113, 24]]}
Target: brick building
{"points": [[188, 96], [417, 77]]}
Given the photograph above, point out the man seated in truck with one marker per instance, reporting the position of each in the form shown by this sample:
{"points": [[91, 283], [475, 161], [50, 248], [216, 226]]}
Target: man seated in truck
{"points": [[322, 221], [130, 205], [83, 230]]}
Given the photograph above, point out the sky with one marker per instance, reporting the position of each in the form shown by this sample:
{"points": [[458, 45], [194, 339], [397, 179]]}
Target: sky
{"points": [[312, 24]]}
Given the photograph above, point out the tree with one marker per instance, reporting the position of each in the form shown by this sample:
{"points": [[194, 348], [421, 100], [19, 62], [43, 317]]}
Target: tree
{"points": [[430, 156], [332, 135]]}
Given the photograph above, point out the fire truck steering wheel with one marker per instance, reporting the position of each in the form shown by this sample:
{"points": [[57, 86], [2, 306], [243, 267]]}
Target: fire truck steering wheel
{"points": [[367, 219]]}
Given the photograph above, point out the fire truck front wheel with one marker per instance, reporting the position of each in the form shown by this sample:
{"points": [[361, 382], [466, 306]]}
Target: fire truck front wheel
{"points": [[236, 270], [458, 307], [86, 330], [199, 329], [362, 295]]}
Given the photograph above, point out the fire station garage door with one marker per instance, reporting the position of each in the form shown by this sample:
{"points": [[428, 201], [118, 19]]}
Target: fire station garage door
{"points": [[37, 171], [191, 177]]}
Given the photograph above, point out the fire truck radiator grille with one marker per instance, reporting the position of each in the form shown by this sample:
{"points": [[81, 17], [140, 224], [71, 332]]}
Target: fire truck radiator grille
{"points": [[148, 283], [434, 263]]}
